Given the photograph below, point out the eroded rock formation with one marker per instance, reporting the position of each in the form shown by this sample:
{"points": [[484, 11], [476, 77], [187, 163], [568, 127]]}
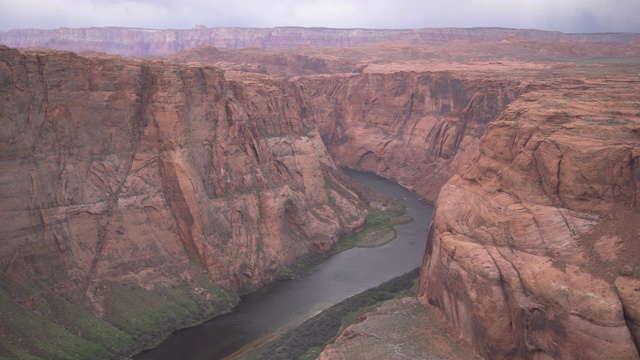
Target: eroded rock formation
{"points": [[517, 256], [533, 252], [417, 128], [153, 174]]}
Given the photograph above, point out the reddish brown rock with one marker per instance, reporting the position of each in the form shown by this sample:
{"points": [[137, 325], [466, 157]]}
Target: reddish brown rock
{"points": [[627, 270], [446, 56], [517, 259], [131, 180], [417, 128], [609, 248], [150, 173], [629, 292], [507, 259]]}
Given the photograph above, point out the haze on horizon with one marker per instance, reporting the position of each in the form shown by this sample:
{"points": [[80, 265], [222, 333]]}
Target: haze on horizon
{"points": [[569, 16]]}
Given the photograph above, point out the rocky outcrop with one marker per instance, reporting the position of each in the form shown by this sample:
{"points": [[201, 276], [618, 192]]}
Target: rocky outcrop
{"points": [[533, 249], [532, 253], [144, 42], [417, 128], [397, 329], [152, 174]]}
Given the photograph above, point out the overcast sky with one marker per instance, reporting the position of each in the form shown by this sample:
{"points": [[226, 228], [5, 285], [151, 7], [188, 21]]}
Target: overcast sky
{"points": [[562, 15]]}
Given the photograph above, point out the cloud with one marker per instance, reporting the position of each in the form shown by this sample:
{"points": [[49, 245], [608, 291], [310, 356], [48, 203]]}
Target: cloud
{"points": [[562, 15]]}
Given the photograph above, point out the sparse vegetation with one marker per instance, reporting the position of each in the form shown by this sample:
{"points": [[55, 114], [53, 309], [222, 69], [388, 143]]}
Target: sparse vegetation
{"points": [[68, 332], [378, 220], [53, 327], [149, 316], [383, 214], [379, 225]]}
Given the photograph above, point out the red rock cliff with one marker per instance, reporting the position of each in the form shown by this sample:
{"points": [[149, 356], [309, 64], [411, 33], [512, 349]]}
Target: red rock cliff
{"points": [[143, 42], [149, 174], [417, 128], [533, 250]]}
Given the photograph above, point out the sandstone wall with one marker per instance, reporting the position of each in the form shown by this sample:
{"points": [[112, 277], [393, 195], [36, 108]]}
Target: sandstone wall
{"points": [[150, 174], [417, 128], [528, 244]]}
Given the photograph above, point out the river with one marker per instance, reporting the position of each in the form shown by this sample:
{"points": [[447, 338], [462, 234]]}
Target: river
{"points": [[283, 305]]}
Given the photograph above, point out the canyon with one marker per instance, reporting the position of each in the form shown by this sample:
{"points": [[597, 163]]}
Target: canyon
{"points": [[127, 181], [211, 165], [533, 249], [517, 258]]}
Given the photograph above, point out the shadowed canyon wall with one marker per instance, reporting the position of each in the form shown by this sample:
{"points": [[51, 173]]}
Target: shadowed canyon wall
{"points": [[156, 176], [417, 128]]}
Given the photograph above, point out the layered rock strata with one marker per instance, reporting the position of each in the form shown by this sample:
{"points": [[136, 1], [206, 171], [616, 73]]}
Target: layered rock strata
{"points": [[421, 123], [533, 250], [308, 60], [416, 127], [145, 42], [152, 174]]}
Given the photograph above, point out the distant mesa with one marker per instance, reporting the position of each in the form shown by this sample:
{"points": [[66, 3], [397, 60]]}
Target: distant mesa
{"points": [[145, 42]]}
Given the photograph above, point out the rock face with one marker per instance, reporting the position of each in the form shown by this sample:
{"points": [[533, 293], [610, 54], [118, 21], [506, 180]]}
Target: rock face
{"points": [[417, 128], [151, 174], [517, 257], [533, 251], [144, 42], [124, 178]]}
